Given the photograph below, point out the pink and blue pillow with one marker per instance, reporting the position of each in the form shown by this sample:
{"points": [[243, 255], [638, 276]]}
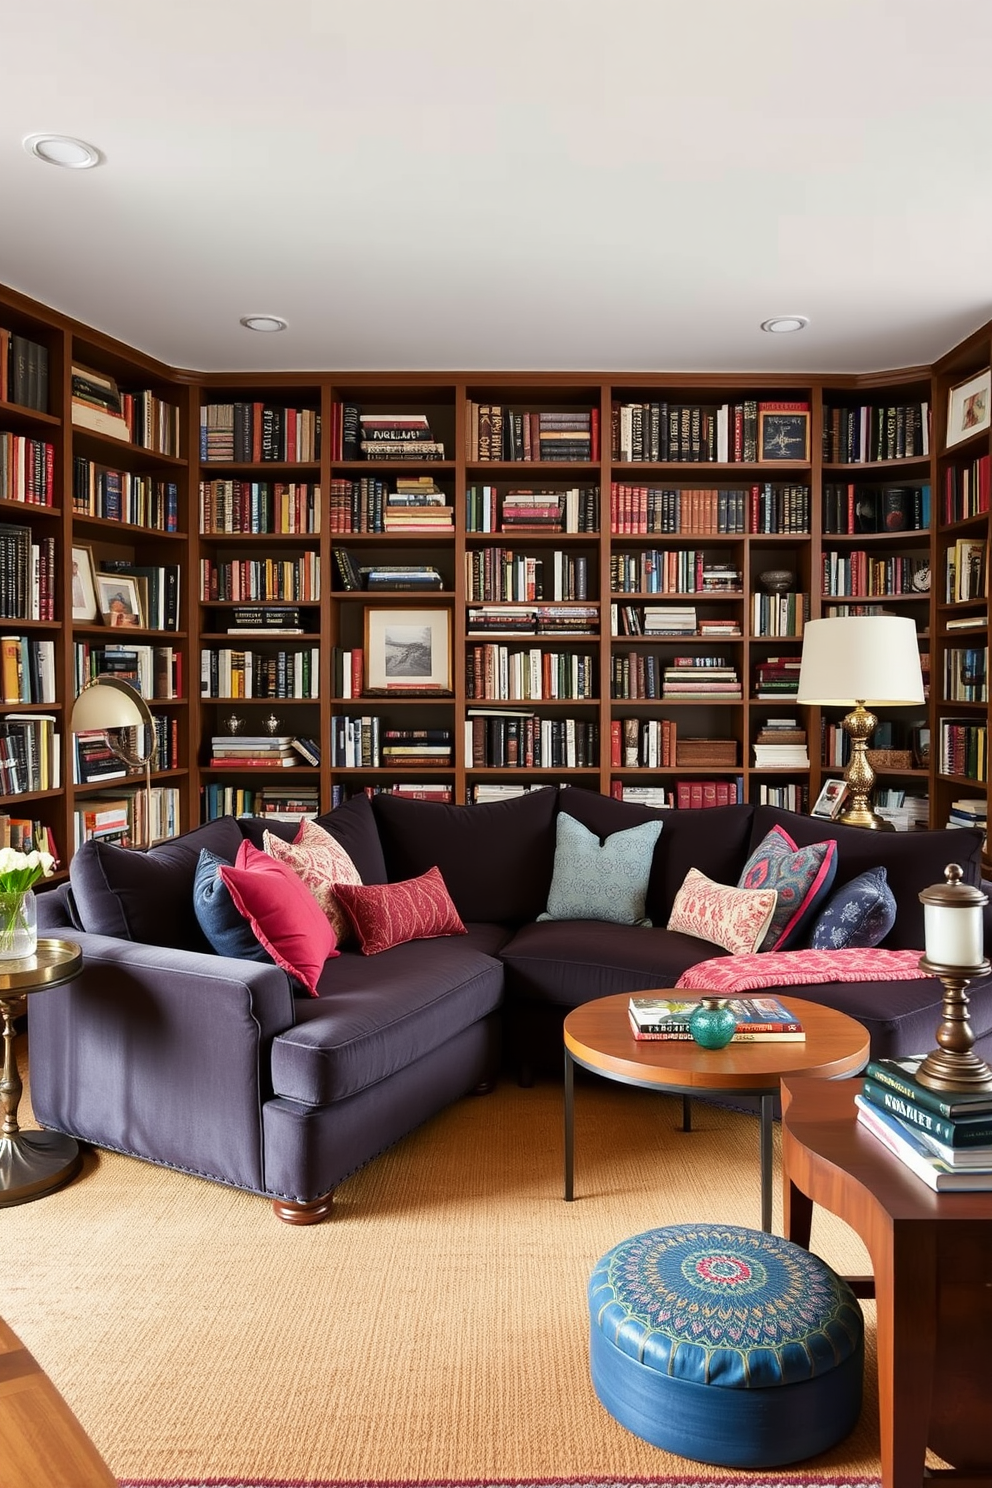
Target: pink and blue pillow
{"points": [[802, 878]]}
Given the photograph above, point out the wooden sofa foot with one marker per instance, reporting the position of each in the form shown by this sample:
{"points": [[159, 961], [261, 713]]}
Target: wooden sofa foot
{"points": [[291, 1212]]}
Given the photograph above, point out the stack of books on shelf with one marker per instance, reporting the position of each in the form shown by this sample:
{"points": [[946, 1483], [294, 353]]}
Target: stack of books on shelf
{"points": [[644, 795], [421, 577], [24, 834], [407, 749], [907, 811], [94, 761], [676, 620], [777, 677], [944, 1137], [102, 819], [781, 745], [96, 403], [287, 802], [707, 677], [499, 791], [418, 505], [257, 751], [269, 620], [396, 436], [759, 1019], [968, 811]]}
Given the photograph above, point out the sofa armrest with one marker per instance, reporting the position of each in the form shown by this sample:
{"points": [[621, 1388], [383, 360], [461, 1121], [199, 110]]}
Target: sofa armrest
{"points": [[160, 1053]]}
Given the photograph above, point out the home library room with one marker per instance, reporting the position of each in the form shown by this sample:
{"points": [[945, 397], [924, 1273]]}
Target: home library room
{"points": [[462, 585]]}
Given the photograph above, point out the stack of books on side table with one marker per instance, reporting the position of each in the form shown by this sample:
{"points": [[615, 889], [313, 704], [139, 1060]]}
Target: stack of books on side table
{"points": [[759, 1019], [943, 1136]]}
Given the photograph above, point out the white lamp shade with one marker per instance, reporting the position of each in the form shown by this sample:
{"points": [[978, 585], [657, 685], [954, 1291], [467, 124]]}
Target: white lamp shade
{"points": [[860, 658], [108, 703]]}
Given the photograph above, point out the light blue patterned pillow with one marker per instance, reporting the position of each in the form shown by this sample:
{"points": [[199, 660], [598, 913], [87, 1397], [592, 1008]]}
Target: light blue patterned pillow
{"points": [[860, 914], [601, 880]]}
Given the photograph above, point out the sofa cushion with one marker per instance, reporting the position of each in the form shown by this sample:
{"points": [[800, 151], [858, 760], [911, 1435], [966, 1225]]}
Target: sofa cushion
{"points": [[282, 912], [598, 879], [566, 962], [374, 1017], [714, 840], [860, 914], [218, 916], [735, 919], [801, 876], [148, 896], [352, 824], [386, 915], [912, 861], [319, 860], [496, 859]]}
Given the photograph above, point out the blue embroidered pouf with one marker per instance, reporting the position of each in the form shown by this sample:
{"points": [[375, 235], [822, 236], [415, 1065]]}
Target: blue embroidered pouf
{"points": [[726, 1345]]}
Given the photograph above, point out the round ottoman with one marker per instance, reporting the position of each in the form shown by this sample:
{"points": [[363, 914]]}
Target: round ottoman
{"points": [[726, 1345]]}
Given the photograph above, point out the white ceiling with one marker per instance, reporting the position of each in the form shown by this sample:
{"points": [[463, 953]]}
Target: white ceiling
{"points": [[560, 184]]}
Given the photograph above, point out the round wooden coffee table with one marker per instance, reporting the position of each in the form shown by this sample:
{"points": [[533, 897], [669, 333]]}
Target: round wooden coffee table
{"points": [[598, 1037]]}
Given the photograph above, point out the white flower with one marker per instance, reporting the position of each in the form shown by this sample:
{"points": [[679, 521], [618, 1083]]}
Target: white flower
{"points": [[20, 871]]}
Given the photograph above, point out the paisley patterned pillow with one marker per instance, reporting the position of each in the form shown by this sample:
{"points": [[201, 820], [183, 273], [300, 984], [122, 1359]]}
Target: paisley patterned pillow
{"points": [[321, 862], [860, 914], [801, 877], [736, 919], [601, 880], [386, 915]]}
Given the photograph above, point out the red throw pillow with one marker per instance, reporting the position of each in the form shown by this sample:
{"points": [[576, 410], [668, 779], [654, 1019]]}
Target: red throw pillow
{"points": [[387, 915], [286, 918]]}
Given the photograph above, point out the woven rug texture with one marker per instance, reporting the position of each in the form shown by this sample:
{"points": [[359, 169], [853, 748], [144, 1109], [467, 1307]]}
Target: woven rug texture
{"points": [[433, 1331]]}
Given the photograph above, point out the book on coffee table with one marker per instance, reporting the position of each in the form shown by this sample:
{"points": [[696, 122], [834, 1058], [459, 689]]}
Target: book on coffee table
{"points": [[758, 1019]]}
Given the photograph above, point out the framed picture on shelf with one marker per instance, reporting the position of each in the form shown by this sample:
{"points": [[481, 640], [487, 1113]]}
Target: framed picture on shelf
{"points": [[783, 435], [830, 800], [120, 600], [84, 601], [969, 407], [407, 650]]}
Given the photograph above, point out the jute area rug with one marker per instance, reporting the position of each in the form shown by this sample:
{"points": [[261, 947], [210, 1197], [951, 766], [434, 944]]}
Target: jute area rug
{"points": [[434, 1331]]}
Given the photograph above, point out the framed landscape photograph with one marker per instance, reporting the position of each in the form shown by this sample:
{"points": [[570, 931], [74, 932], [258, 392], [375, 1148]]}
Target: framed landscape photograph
{"points": [[407, 650], [830, 800], [84, 600], [783, 435], [969, 407], [120, 600]]}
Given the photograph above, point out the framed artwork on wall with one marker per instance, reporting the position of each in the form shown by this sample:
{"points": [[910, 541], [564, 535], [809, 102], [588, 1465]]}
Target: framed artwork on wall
{"points": [[969, 407], [407, 650], [84, 601]]}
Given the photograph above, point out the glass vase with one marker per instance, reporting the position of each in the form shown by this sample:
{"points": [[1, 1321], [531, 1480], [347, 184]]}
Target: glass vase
{"points": [[18, 924], [713, 1024]]}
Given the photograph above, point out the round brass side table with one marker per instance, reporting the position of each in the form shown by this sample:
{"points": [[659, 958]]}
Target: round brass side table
{"points": [[32, 1163]]}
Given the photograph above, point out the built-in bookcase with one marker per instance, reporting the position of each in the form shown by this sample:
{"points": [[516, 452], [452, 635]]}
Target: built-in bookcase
{"points": [[462, 585]]}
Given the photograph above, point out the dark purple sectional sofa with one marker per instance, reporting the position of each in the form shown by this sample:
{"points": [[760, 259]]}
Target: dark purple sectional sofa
{"points": [[166, 1051]]}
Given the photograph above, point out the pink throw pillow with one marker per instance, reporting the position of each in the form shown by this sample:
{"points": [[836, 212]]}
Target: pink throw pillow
{"points": [[286, 918], [320, 862], [736, 919], [386, 915]]}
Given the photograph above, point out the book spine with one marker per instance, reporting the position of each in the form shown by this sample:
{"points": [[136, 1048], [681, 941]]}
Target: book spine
{"points": [[951, 1133]]}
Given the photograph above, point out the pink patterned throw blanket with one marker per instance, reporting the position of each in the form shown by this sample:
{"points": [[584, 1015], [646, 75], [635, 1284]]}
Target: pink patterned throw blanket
{"points": [[729, 975]]}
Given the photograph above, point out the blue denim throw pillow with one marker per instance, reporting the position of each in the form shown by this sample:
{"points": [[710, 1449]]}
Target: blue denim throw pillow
{"points": [[860, 914], [601, 880], [226, 928]]}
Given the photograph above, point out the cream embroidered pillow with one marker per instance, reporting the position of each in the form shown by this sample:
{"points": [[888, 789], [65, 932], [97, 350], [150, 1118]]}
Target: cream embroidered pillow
{"points": [[321, 862], [736, 919]]}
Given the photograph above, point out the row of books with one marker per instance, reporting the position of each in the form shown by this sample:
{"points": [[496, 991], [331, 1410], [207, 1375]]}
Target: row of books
{"points": [[352, 576], [495, 671], [966, 490], [261, 580], [503, 574], [156, 672], [519, 619], [699, 512], [575, 509], [286, 508], [30, 753], [27, 470], [859, 573], [136, 816], [24, 834], [278, 803], [124, 496], [963, 749], [255, 432], [966, 674], [944, 1137], [27, 574], [27, 670], [644, 620], [23, 371], [365, 742], [759, 1019], [966, 572], [871, 432], [382, 436], [232, 673], [787, 796], [494, 431], [660, 431], [849, 508], [503, 740], [673, 571], [643, 743]]}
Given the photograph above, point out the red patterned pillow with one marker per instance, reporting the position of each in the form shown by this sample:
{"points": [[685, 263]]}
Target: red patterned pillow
{"points": [[319, 860], [736, 919], [387, 915], [286, 918]]}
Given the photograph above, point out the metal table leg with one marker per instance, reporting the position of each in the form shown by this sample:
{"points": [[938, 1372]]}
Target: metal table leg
{"points": [[569, 1125]]}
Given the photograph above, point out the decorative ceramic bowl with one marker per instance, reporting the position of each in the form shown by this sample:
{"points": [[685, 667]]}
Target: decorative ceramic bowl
{"points": [[777, 580]]}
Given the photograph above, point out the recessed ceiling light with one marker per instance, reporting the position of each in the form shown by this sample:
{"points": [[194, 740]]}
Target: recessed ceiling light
{"points": [[63, 150], [780, 325], [263, 322]]}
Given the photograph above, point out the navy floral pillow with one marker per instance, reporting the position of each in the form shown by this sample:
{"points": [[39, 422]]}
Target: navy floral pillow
{"points": [[860, 914]]}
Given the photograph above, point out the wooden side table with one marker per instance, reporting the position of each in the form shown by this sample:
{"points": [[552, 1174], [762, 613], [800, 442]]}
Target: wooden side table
{"points": [[932, 1259], [32, 1163]]}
